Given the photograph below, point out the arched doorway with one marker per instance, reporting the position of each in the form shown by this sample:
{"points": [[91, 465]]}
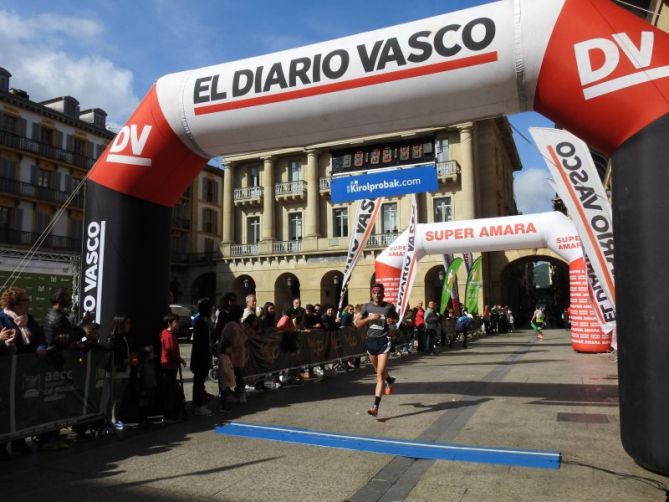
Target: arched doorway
{"points": [[331, 289], [286, 287], [536, 280], [244, 285], [204, 286], [434, 282]]}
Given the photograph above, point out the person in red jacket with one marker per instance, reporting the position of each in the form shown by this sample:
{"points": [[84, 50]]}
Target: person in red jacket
{"points": [[170, 359]]}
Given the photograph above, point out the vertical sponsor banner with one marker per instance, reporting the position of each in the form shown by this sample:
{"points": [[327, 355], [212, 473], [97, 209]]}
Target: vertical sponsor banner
{"points": [[601, 305], [580, 188], [450, 282], [473, 287], [408, 273], [586, 335], [365, 217]]}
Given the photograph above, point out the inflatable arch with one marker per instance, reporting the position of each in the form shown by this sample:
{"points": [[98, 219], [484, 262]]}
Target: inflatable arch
{"points": [[591, 66], [552, 230]]}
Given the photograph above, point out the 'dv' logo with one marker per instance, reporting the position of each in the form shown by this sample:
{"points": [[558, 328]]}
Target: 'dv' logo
{"points": [[136, 139], [640, 57]]}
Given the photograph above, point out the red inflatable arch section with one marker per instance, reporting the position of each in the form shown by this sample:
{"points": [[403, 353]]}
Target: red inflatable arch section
{"points": [[589, 65]]}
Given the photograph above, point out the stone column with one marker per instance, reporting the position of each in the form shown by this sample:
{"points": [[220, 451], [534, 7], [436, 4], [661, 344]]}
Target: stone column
{"points": [[312, 215], [228, 204], [267, 232], [467, 203]]}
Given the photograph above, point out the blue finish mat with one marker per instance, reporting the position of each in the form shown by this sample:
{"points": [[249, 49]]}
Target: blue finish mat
{"points": [[398, 447]]}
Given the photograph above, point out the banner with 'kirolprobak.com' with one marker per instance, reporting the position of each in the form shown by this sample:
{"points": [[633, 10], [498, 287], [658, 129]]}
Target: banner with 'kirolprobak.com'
{"points": [[385, 184]]}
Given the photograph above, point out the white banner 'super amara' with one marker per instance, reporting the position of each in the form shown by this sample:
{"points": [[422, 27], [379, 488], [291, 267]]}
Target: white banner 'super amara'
{"points": [[589, 65], [570, 163]]}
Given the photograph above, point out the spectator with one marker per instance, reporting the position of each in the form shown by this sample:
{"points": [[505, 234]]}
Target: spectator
{"points": [[234, 334], [328, 320], [126, 377], [200, 359], [227, 300], [250, 307], [311, 319], [226, 376], [28, 336], [59, 334], [58, 331], [19, 334], [268, 319], [346, 317], [297, 313], [170, 359], [419, 325], [285, 322], [431, 320]]}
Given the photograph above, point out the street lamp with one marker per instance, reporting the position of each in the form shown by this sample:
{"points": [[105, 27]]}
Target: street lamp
{"points": [[335, 280], [289, 282], [246, 284], [442, 275]]}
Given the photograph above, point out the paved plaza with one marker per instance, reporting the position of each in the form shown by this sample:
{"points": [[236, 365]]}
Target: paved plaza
{"points": [[506, 391]]}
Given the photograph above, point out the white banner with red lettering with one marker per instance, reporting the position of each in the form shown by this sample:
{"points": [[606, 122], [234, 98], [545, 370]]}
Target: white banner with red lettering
{"points": [[578, 184], [365, 217], [408, 274]]}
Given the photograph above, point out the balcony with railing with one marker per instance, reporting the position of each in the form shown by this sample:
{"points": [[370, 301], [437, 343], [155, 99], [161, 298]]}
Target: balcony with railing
{"points": [[244, 250], [204, 258], [16, 237], [324, 185], [290, 190], [248, 195], [24, 144], [23, 189], [448, 171], [283, 247]]}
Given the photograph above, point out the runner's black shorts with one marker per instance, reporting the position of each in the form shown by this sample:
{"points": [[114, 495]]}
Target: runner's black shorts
{"points": [[377, 345]]}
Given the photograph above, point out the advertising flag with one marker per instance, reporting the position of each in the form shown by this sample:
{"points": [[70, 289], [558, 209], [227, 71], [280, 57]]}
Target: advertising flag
{"points": [[580, 188], [473, 287], [450, 282], [365, 217], [407, 275]]}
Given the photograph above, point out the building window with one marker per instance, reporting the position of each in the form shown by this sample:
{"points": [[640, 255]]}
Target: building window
{"points": [[46, 135], [443, 209], [79, 146], [210, 190], [295, 170], [252, 229], [8, 169], [43, 220], [340, 221], [76, 229], [9, 123], [43, 178], [5, 216], [442, 150], [389, 223], [209, 221], [294, 226], [254, 175]]}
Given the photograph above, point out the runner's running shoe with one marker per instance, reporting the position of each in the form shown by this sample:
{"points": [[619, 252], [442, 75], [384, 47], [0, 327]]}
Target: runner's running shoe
{"points": [[388, 390], [373, 411]]}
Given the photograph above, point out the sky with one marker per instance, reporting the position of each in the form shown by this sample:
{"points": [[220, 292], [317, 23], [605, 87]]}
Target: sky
{"points": [[108, 54]]}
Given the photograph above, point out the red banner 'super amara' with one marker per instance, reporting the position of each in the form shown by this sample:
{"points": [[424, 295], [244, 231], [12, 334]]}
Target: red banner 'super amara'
{"points": [[591, 66]]}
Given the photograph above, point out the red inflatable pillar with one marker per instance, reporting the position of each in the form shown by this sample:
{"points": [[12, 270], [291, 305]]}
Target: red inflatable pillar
{"points": [[586, 335]]}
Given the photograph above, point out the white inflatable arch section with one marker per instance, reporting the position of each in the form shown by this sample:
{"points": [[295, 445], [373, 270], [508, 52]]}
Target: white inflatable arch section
{"points": [[552, 230]]}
